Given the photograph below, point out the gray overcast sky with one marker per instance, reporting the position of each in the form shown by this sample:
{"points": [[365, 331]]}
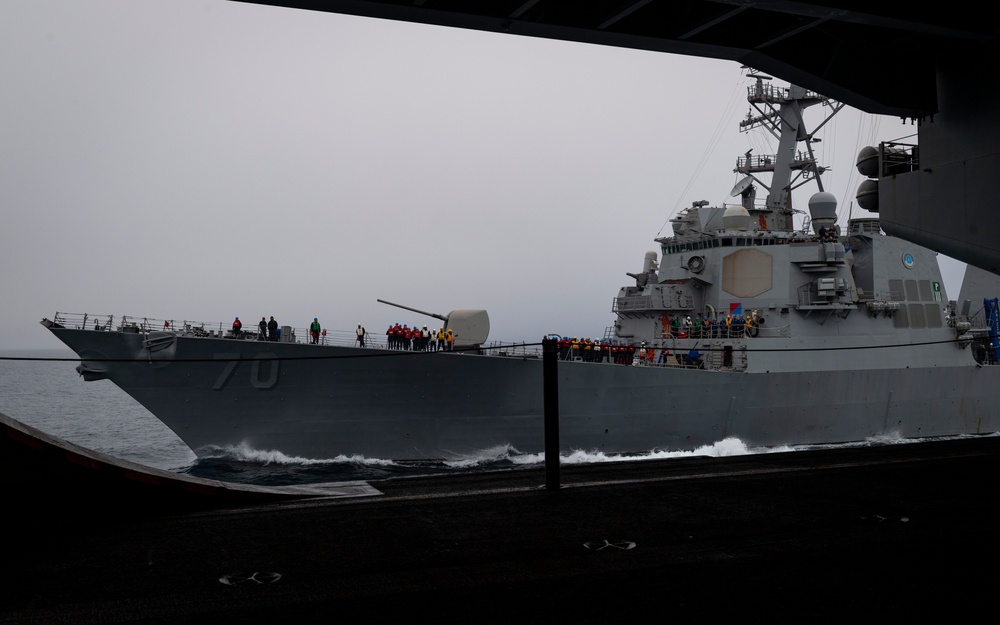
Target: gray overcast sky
{"points": [[200, 159]]}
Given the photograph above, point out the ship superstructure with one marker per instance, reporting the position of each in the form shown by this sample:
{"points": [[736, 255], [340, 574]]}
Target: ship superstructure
{"points": [[750, 293]]}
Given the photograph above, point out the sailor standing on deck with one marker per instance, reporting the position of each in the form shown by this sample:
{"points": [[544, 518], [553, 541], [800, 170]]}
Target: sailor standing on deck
{"points": [[272, 329], [361, 335], [314, 330], [262, 326], [237, 326]]}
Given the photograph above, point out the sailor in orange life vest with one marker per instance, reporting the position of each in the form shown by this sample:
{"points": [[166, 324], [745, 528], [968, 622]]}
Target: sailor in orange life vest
{"points": [[237, 326]]}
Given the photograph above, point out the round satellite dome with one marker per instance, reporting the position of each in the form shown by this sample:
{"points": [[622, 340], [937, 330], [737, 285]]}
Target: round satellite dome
{"points": [[867, 195], [736, 218], [823, 210], [868, 162], [823, 205]]}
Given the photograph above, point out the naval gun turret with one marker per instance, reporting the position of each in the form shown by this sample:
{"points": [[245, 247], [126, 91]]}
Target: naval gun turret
{"points": [[471, 327]]}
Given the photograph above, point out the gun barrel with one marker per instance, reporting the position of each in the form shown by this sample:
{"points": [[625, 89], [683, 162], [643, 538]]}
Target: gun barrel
{"points": [[416, 310]]}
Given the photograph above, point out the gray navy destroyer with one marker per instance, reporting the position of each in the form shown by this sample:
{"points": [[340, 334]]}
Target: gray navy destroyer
{"points": [[741, 326]]}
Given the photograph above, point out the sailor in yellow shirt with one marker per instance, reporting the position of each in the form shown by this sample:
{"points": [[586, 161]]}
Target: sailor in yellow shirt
{"points": [[450, 338]]}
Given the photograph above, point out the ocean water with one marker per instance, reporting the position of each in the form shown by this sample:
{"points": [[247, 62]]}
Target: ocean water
{"points": [[49, 395]]}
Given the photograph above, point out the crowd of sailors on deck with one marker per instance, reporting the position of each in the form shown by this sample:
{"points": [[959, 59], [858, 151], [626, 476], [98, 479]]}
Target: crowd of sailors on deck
{"points": [[696, 326], [596, 351], [625, 353], [398, 337], [403, 337], [826, 235], [420, 339], [707, 327]]}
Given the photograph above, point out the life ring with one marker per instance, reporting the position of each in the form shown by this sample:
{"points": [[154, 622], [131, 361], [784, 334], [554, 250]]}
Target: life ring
{"points": [[696, 264]]}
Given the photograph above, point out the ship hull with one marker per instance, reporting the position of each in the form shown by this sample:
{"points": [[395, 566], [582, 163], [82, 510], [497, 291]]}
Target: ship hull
{"points": [[326, 401]]}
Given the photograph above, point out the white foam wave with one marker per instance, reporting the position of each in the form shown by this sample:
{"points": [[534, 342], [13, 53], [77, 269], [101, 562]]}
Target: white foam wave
{"points": [[246, 453], [490, 455], [725, 447], [506, 453]]}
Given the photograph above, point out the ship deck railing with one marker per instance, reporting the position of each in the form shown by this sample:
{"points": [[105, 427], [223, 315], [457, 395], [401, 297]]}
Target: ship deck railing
{"points": [[206, 329], [760, 163], [711, 358], [251, 332], [898, 158]]}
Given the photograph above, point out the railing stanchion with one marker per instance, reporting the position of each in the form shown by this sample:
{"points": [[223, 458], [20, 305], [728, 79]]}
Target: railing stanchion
{"points": [[550, 386]]}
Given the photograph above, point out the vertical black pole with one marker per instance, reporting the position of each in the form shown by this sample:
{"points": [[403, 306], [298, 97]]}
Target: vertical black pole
{"points": [[550, 385]]}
